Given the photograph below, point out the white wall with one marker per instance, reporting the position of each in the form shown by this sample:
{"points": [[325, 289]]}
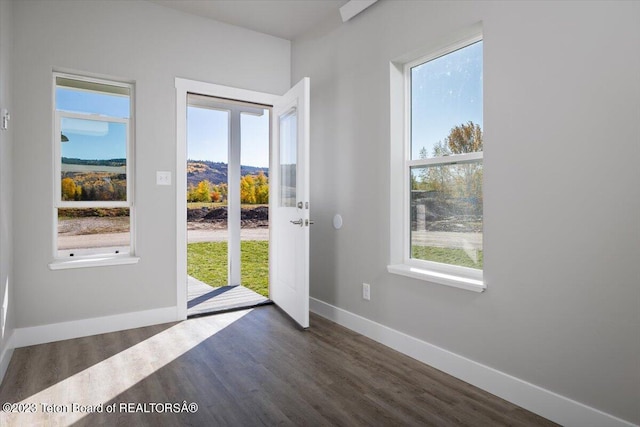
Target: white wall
{"points": [[135, 40], [7, 283], [562, 193]]}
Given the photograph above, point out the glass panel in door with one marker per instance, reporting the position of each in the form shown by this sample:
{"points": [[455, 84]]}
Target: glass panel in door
{"points": [[288, 158]]}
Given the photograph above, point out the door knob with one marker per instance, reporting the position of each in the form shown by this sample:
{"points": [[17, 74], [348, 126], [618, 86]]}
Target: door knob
{"points": [[297, 222]]}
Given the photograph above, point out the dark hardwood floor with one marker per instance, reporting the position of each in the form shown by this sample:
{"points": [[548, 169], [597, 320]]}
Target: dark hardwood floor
{"points": [[247, 368]]}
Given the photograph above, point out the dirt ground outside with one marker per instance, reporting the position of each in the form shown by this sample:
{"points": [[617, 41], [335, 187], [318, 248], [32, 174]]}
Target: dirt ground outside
{"points": [[76, 233], [72, 234]]}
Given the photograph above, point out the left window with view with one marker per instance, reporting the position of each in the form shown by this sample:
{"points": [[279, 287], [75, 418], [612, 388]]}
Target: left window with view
{"points": [[93, 193]]}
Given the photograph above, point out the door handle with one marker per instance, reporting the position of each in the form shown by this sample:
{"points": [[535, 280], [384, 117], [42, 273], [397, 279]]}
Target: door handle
{"points": [[297, 222]]}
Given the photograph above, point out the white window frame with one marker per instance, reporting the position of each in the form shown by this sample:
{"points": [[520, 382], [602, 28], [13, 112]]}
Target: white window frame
{"points": [[401, 261], [98, 259]]}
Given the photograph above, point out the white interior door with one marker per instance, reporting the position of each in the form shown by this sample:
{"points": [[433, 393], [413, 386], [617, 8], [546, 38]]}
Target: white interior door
{"points": [[289, 198]]}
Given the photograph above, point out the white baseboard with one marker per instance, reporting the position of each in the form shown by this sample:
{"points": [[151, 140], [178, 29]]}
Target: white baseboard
{"points": [[548, 404], [33, 335], [5, 356]]}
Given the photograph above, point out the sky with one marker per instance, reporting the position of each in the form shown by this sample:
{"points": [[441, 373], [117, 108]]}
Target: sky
{"points": [[207, 137], [445, 92], [93, 139], [207, 130]]}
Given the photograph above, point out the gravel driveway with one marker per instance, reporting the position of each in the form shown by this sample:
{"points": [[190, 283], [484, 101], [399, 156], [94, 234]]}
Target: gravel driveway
{"points": [[199, 232], [72, 239]]}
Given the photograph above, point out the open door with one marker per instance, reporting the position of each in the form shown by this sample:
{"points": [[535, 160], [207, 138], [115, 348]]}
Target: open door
{"points": [[289, 199]]}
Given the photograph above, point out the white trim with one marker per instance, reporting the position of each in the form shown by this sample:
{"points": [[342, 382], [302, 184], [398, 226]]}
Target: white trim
{"points": [[228, 92], [33, 335], [59, 262], [92, 261], [400, 260], [92, 117], [475, 36], [5, 356], [92, 78], [184, 87], [233, 196], [181, 199], [428, 275], [546, 403], [453, 159]]}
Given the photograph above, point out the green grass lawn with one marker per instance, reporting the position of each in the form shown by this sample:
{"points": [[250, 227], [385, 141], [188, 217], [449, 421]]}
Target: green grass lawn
{"points": [[207, 262], [446, 255]]}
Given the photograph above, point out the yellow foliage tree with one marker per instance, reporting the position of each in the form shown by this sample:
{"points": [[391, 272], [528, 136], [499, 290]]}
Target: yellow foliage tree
{"points": [[203, 192], [262, 188], [247, 190], [68, 189]]}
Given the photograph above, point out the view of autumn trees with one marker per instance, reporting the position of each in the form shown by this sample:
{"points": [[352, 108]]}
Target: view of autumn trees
{"points": [[452, 188], [254, 189], [94, 186]]}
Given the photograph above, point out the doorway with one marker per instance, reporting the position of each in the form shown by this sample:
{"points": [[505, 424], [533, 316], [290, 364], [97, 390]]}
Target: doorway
{"points": [[227, 175], [289, 222]]}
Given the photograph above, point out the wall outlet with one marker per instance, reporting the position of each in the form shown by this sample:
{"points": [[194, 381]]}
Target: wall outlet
{"points": [[163, 178], [366, 291]]}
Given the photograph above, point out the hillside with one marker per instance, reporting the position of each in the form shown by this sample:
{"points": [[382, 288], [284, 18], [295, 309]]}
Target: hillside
{"points": [[215, 172], [103, 162]]}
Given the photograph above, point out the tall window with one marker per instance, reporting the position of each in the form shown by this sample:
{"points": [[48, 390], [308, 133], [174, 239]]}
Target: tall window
{"points": [[93, 168], [443, 156]]}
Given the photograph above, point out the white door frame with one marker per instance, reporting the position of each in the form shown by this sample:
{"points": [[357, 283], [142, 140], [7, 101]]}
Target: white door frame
{"points": [[183, 87]]}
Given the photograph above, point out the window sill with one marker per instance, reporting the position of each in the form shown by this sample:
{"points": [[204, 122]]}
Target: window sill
{"points": [[93, 262], [460, 282]]}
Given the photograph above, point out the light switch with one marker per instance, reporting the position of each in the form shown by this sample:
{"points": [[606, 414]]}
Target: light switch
{"points": [[163, 178]]}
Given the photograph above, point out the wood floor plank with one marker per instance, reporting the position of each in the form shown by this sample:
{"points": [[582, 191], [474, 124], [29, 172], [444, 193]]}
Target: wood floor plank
{"points": [[243, 369]]}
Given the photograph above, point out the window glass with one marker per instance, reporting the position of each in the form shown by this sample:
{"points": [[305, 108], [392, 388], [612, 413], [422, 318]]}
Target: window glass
{"points": [[446, 214], [446, 92], [93, 203], [288, 158], [445, 170], [93, 160], [79, 96], [90, 231]]}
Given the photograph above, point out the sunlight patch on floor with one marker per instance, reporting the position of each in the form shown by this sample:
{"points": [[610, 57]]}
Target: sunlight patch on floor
{"points": [[106, 380]]}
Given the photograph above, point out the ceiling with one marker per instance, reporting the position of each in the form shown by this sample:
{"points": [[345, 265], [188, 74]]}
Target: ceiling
{"points": [[287, 19]]}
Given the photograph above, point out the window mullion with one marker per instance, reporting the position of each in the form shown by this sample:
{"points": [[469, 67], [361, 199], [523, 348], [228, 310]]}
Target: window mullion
{"points": [[93, 117], [447, 160]]}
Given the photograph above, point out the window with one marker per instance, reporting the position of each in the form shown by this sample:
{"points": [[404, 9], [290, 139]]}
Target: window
{"points": [[93, 193], [442, 167], [288, 158]]}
